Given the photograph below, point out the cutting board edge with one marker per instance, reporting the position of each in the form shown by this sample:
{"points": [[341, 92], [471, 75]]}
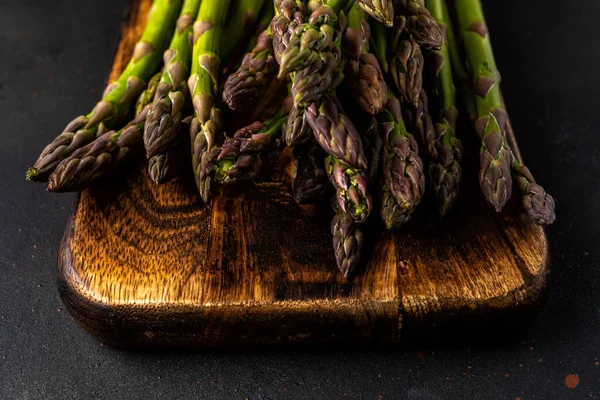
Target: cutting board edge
{"points": [[125, 325]]}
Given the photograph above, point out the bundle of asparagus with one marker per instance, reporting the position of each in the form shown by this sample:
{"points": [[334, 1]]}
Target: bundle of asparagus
{"points": [[372, 107]]}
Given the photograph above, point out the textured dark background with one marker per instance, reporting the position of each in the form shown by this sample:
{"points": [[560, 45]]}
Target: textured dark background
{"points": [[54, 59]]}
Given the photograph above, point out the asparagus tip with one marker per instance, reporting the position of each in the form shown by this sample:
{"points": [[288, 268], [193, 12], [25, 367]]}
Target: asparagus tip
{"points": [[31, 174]]}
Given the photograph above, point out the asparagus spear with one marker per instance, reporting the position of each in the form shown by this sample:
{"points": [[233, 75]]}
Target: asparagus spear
{"points": [[310, 178], [248, 85], [240, 22], [289, 15], [348, 240], [147, 96], [119, 97], [419, 121], [363, 73], [445, 149], [402, 166], [206, 127], [392, 215], [496, 157], [107, 152], [381, 10], [163, 122], [297, 129], [420, 24], [405, 61], [335, 132], [352, 191], [538, 205], [240, 156], [171, 164], [313, 53], [99, 158], [373, 146], [379, 44]]}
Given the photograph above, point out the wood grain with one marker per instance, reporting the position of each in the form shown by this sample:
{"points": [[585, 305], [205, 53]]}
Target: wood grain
{"points": [[147, 265]]}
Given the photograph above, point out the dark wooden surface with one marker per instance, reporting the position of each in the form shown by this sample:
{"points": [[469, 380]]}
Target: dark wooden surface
{"points": [[147, 265]]}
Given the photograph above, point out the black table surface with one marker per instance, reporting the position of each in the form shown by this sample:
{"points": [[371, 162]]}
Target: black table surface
{"points": [[54, 59]]}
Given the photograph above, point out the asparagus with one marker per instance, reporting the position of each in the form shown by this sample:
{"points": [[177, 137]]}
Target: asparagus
{"points": [[99, 158], [289, 15], [119, 97], [373, 148], [352, 192], [310, 178], [240, 22], [240, 157], [315, 39], [163, 122], [445, 149], [496, 157], [381, 10], [249, 84], [363, 73], [297, 129], [335, 132], [348, 240], [206, 127], [147, 96], [313, 53], [419, 121], [107, 152], [420, 24], [379, 44], [402, 166], [169, 165], [392, 215], [405, 61], [538, 205]]}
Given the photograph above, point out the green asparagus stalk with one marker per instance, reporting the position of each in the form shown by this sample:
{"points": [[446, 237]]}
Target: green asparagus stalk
{"points": [[496, 157], [420, 24], [379, 44], [381, 10], [348, 240], [363, 73], [445, 171], [310, 178], [459, 70], [163, 122], [402, 166], [206, 128], [249, 84], [242, 18], [405, 61], [119, 97], [105, 154]]}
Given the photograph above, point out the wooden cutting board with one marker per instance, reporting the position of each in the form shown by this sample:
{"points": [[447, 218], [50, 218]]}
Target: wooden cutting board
{"points": [[146, 265]]}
